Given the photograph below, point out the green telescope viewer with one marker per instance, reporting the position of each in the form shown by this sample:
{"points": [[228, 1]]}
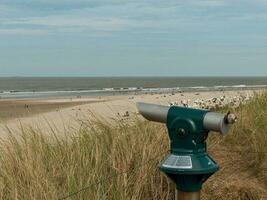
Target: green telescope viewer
{"points": [[188, 163]]}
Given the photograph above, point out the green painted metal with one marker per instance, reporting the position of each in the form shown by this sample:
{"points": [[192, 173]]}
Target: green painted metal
{"points": [[188, 164]]}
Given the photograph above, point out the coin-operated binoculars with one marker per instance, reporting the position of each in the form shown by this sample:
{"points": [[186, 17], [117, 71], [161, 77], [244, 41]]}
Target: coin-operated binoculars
{"points": [[188, 163]]}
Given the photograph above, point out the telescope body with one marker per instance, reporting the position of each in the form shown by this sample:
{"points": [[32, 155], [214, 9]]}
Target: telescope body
{"points": [[188, 163], [212, 121]]}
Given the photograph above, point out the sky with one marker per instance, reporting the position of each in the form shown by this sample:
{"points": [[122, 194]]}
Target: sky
{"points": [[133, 38]]}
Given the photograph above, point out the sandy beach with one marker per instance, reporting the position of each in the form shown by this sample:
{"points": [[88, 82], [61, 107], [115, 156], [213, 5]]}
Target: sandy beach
{"points": [[66, 113]]}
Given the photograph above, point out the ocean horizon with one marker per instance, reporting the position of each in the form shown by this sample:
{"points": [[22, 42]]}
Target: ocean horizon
{"points": [[38, 87]]}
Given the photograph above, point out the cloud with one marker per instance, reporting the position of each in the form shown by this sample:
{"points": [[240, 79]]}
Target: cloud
{"points": [[6, 10], [44, 5], [115, 15], [106, 24], [23, 31], [84, 16], [81, 23], [208, 2]]}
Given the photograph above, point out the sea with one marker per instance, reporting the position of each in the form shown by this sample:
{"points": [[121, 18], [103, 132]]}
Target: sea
{"points": [[41, 87]]}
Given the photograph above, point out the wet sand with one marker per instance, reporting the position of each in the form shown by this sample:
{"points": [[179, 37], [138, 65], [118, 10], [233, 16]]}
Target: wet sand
{"points": [[12, 109]]}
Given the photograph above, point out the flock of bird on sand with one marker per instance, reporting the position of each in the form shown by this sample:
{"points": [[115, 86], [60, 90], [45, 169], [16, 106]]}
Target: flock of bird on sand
{"points": [[215, 102], [211, 103]]}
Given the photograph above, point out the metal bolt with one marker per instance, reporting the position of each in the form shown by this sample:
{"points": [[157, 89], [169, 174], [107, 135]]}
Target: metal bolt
{"points": [[230, 118], [181, 132]]}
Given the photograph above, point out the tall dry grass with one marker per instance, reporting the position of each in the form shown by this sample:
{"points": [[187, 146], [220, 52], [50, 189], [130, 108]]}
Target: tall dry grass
{"points": [[122, 159], [119, 160], [242, 155]]}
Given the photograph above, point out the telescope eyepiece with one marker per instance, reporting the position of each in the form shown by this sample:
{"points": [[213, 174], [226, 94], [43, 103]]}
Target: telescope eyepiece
{"points": [[230, 118]]}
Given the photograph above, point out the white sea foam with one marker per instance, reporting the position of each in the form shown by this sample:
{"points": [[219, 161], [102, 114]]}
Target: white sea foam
{"points": [[107, 91]]}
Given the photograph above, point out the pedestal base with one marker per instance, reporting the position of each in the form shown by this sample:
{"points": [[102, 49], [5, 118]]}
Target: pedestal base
{"points": [[188, 195]]}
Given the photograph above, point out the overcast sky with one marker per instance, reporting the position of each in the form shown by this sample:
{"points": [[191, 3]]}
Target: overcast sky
{"points": [[133, 38]]}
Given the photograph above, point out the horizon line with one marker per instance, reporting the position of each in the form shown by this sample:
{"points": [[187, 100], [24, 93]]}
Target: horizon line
{"points": [[141, 76]]}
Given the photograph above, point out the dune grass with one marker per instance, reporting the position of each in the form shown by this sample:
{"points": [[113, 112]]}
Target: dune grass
{"points": [[120, 160]]}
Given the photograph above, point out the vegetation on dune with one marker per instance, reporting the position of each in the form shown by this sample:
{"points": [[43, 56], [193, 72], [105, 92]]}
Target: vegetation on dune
{"points": [[242, 155], [121, 162]]}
